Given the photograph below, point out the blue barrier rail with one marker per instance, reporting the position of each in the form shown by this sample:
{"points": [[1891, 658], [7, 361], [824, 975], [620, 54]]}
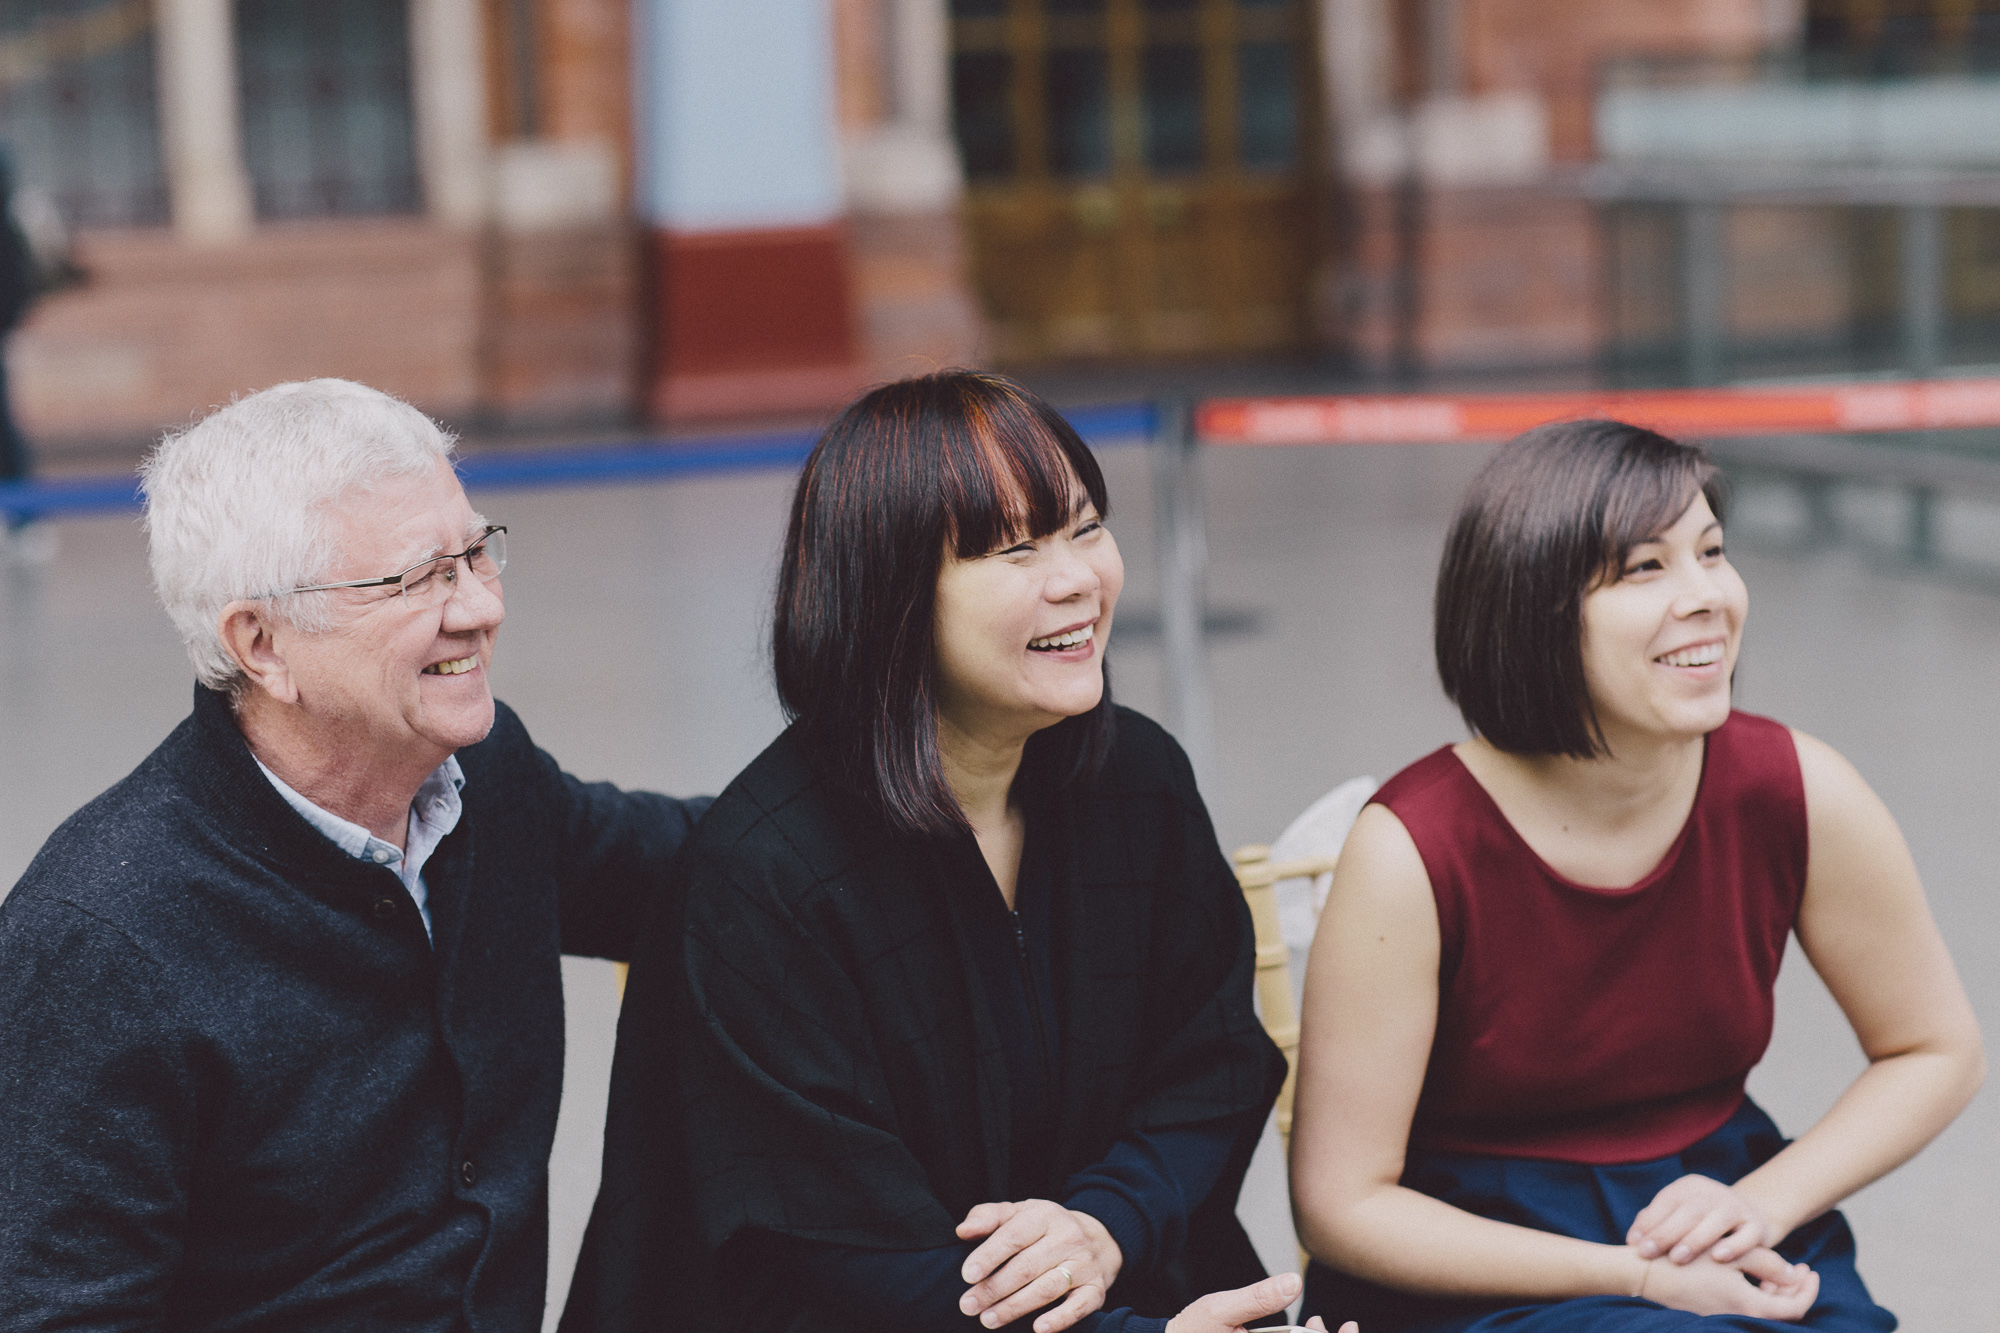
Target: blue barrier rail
{"points": [[64, 497], [576, 465]]}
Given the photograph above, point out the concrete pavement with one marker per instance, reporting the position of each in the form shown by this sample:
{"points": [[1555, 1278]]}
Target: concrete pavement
{"points": [[635, 651]]}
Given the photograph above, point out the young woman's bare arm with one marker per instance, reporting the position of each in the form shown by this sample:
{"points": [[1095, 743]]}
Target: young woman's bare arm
{"points": [[1868, 931], [1369, 1017]]}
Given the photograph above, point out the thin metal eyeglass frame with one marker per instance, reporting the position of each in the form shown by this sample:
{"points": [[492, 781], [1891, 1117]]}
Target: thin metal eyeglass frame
{"points": [[397, 579]]}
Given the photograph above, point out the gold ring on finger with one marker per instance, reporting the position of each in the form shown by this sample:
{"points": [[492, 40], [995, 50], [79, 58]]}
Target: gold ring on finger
{"points": [[1069, 1278]]}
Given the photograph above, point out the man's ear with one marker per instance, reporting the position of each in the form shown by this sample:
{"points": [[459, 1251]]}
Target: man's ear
{"points": [[247, 634]]}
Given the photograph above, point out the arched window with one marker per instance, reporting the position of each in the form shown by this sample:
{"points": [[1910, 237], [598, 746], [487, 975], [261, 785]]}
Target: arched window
{"points": [[78, 107], [327, 123]]}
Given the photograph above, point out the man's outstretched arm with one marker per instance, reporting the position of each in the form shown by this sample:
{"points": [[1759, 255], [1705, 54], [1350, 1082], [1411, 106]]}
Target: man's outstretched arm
{"points": [[610, 848]]}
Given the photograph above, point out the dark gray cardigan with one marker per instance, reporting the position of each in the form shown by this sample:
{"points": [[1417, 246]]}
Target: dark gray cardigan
{"points": [[238, 1088]]}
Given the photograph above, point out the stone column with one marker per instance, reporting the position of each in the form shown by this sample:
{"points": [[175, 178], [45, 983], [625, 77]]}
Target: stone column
{"points": [[1704, 283], [908, 164], [904, 182], [739, 186], [208, 188], [1925, 282], [448, 77], [1783, 22], [920, 55], [562, 336]]}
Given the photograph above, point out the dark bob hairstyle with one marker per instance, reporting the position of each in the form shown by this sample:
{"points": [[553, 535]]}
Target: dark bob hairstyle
{"points": [[1554, 514], [956, 461]]}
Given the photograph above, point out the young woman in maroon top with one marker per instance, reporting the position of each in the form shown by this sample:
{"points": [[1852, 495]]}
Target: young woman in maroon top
{"points": [[1545, 966]]}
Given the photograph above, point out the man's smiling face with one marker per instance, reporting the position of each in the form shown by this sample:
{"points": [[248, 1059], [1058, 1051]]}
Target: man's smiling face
{"points": [[391, 676]]}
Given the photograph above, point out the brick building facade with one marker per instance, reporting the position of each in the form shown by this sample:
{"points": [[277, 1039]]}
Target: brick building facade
{"points": [[371, 188], [687, 210]]}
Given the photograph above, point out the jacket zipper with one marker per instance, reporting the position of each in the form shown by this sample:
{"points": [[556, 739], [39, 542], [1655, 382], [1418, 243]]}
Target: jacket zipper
{"points": [[1034, 998]]}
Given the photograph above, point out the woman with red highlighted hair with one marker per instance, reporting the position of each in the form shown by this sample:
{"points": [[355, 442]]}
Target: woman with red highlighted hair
{"points": [[1545, 966], [952, 1024]]}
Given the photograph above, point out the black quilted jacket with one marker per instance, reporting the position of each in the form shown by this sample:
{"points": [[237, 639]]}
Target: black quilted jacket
{"points": [[805, 1048]]}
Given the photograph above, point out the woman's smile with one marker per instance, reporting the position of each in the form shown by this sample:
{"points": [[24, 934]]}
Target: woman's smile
{"points": [[1701, 660], [1076, 644]]}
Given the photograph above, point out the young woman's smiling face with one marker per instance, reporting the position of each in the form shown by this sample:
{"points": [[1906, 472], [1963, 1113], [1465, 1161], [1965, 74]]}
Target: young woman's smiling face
{"points": [[1660, 641], [1020, 630]]}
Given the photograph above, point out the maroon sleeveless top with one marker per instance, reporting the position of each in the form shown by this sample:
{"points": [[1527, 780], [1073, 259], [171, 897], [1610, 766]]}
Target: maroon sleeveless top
{"points": [[1605, 1025]]}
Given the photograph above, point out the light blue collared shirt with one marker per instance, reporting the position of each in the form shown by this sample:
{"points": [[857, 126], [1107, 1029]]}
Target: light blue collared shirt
{"points": [[433, 814]]}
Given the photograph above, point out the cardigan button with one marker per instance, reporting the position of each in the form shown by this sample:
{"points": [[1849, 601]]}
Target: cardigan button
{"points": [[384, 908], [468, 1173]]}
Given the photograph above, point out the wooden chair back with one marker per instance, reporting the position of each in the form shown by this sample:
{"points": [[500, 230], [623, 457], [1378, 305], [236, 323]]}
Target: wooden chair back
{"points": [[1258, 876]]}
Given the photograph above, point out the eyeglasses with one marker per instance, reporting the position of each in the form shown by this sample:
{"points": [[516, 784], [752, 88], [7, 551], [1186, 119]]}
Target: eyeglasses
{"points": [[432, 582]]}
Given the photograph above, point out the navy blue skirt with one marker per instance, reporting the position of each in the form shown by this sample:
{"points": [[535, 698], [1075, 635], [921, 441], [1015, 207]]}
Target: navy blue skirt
{"points": [[1598, 1203]]}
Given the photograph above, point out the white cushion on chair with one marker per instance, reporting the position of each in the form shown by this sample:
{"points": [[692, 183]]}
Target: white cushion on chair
{"points": [[1320, 831]]}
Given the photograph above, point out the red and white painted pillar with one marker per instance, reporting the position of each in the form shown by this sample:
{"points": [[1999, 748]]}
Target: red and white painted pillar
{"points": [[739, 187]]}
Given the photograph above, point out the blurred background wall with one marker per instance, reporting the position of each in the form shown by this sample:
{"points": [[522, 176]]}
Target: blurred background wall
{"points": [[578, 213]]}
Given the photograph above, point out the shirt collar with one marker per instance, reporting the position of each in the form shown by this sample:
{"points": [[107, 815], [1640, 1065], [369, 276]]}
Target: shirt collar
{"points": [[434, 801]]}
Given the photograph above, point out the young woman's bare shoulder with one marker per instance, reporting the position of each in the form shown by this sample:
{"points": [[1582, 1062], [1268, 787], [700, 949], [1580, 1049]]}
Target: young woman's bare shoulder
{"points": [[1380, 865], [1833, 785]]}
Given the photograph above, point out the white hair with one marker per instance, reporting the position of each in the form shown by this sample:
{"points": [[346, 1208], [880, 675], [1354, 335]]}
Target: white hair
{"points": [[238, 505]]}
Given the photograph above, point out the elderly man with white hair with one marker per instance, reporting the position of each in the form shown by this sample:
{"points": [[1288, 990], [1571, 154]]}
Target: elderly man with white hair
{"points": [[281, 1020]]}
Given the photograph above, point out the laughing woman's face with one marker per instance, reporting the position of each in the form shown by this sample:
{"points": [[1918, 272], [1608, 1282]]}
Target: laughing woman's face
{"points": [[1660, 641], [1021, 629]]}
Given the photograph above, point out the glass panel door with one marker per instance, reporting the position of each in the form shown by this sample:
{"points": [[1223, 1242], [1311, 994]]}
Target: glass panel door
{"points": [[1143, 174]]}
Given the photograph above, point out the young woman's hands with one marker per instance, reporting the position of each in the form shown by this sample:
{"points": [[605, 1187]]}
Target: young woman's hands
{"points": [[1703, 1286], [1244, 1308], [1696, 1214], [1036, 1252]]}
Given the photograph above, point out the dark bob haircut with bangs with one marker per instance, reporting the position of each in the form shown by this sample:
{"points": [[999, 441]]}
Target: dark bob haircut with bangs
{"points": [[1551, 516], [957, 460]]}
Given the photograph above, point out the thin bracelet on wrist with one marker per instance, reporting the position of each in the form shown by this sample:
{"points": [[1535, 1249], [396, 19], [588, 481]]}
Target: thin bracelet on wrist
{"points": [[1645, 1271]]}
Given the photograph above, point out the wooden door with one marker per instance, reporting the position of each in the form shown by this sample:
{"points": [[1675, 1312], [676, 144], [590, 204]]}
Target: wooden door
{"points": [[1143, 175]]}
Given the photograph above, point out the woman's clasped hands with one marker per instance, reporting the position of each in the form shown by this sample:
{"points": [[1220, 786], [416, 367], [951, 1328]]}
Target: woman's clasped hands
{"points": [[1036, 1252], [1712, 1238]]}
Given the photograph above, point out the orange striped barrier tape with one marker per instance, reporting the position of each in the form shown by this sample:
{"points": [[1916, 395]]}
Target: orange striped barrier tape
{"points": [[1874, 405]]}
